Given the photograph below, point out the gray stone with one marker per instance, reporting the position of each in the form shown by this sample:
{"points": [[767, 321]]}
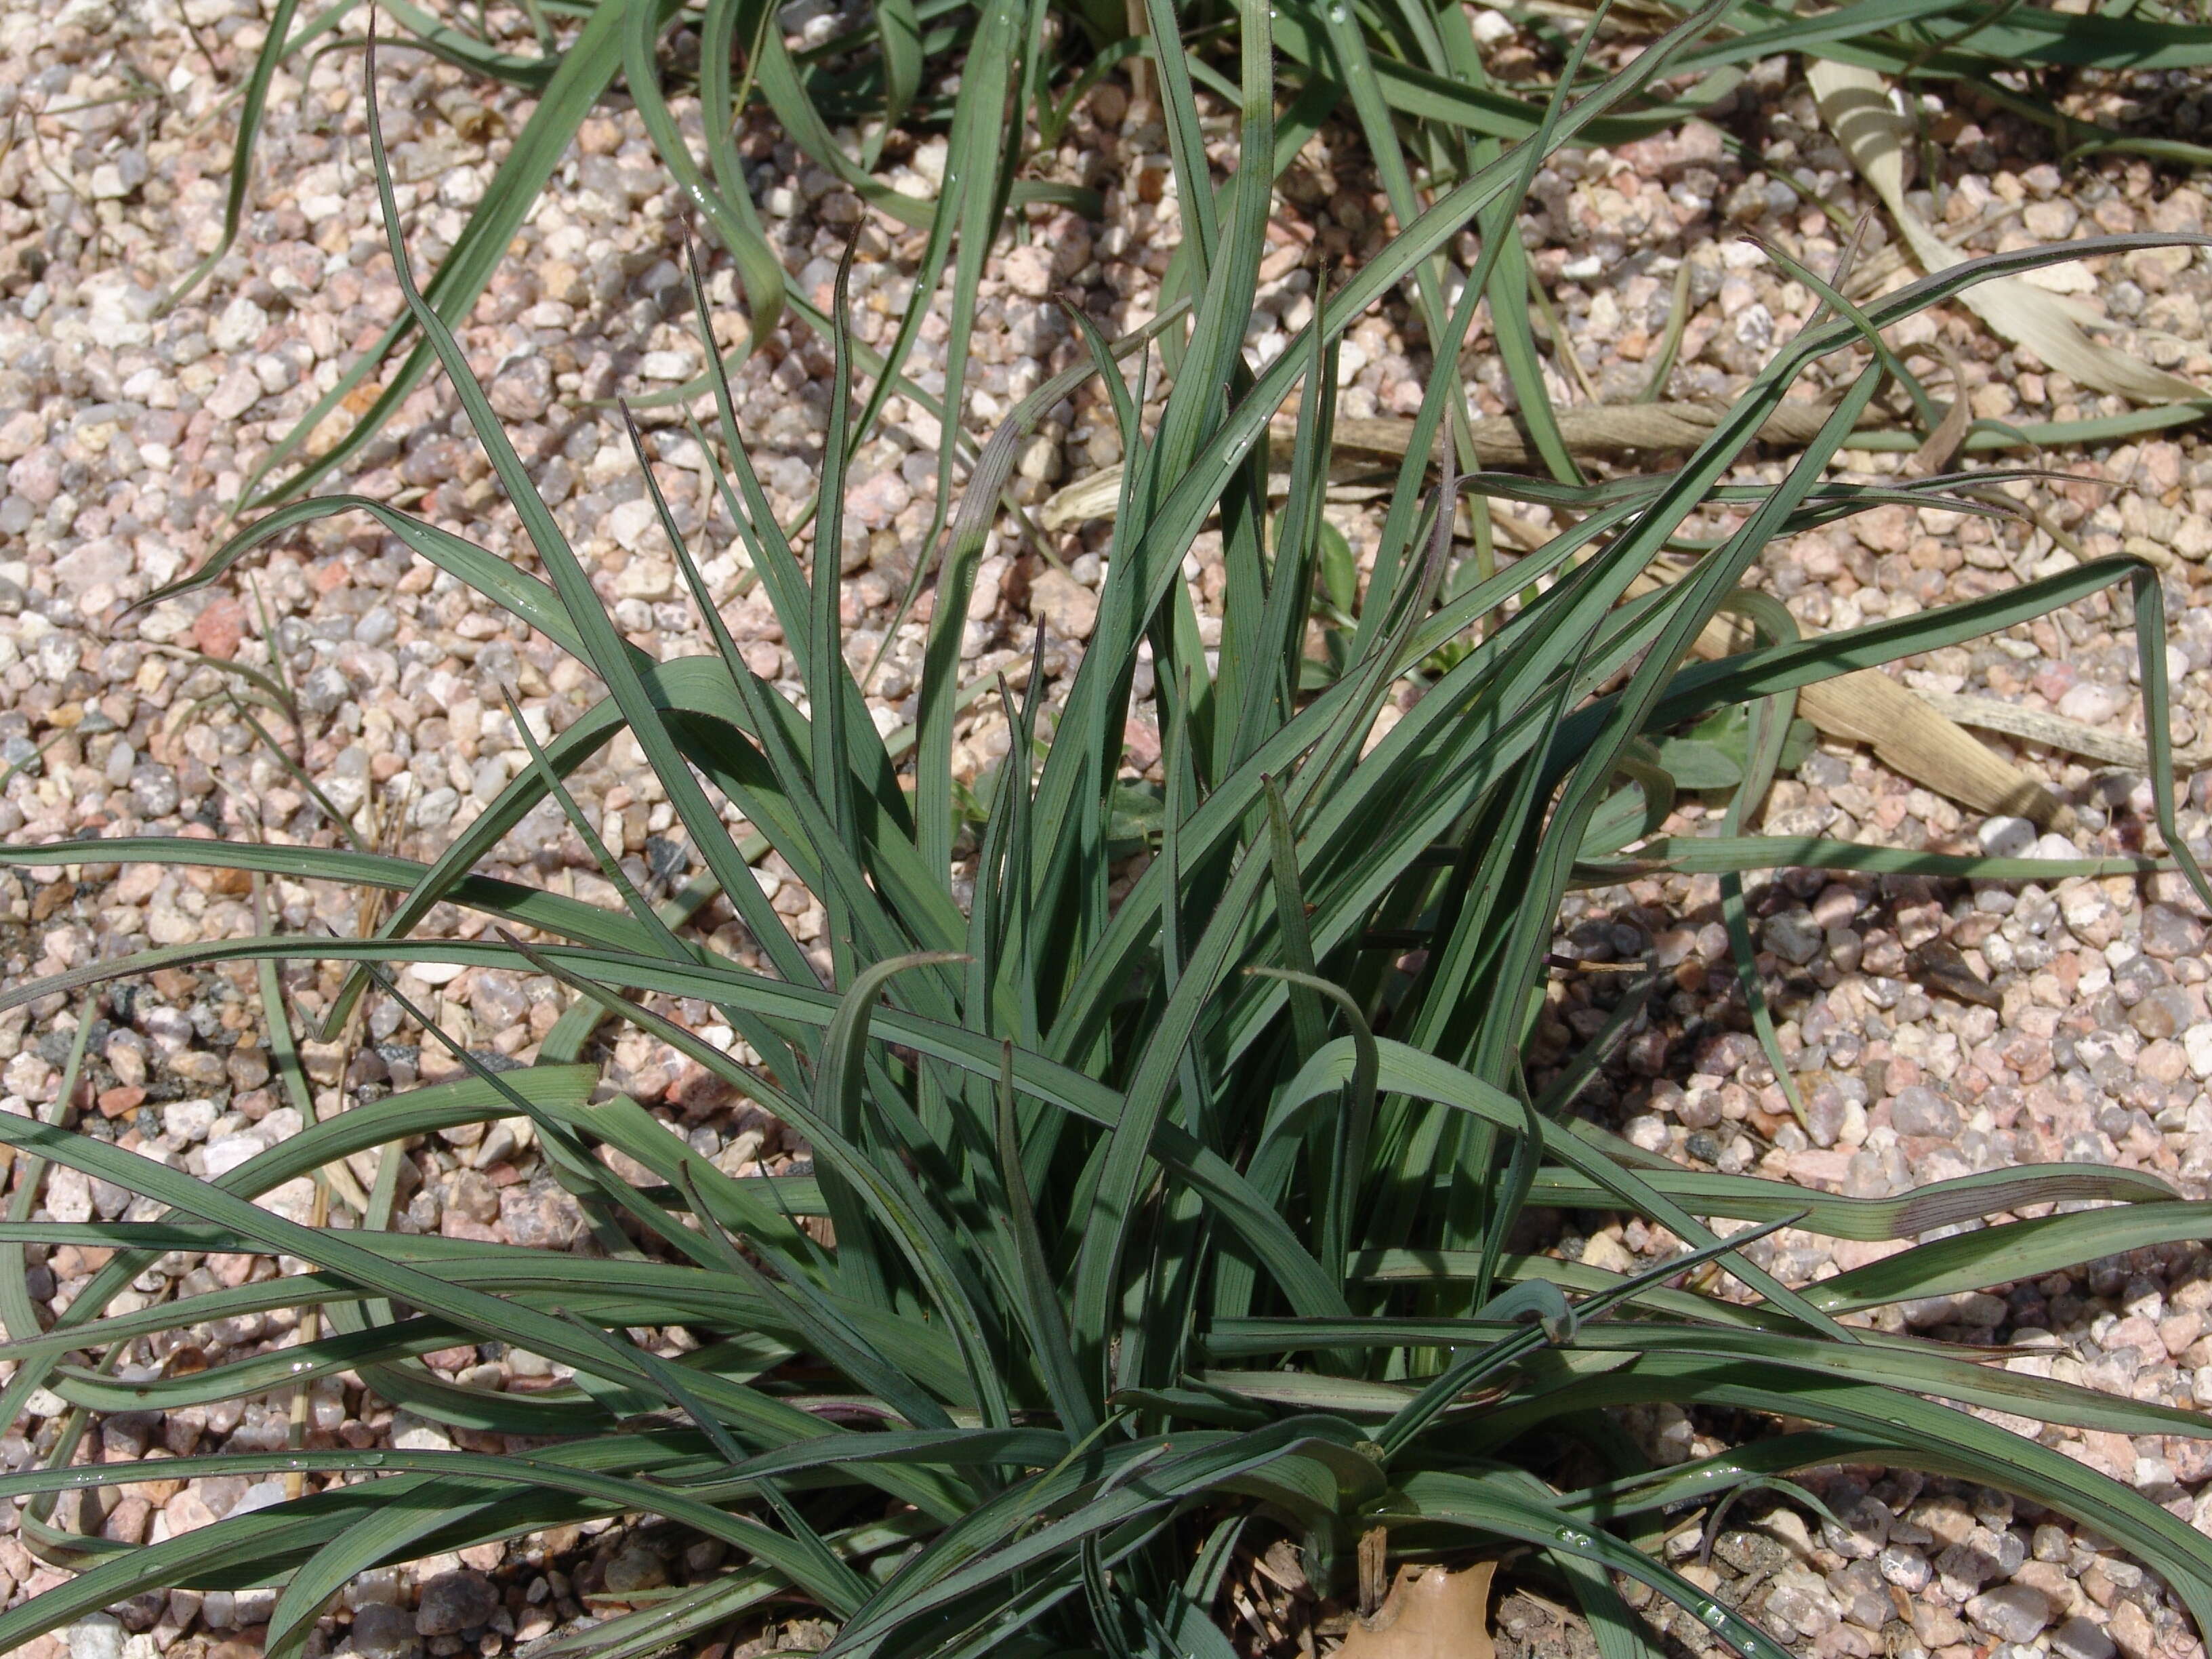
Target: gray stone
{"points": [[126, 1057], [498, 999], [154, 790], [345, 791], [240, 325], [636, 1567], [381, 1630], [523, 391], [188, 1119], [97, 563], [412, 1433], [1864, 1529], [97, 1636], [2163, 1012], [1793, 935], [435, 809], [2011, 1612], [1063, 605], [37, 476], [2169, 935], [1040, 460], [197, 1069], [237, 1609], [1824, 1116], [323, 691], [2077, 1638], [238, 391], [2091, 702], [2006, 837], [22, 431], [455, 1602], [261, 1495], [228, 1152], [1904, 1566], [1919, 1110], [1799, 1600], [378, 626], [540, 1217]]}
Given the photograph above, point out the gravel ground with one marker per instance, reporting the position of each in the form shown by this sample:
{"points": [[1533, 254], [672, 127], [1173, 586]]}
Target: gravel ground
{"points": [[124, 439]]}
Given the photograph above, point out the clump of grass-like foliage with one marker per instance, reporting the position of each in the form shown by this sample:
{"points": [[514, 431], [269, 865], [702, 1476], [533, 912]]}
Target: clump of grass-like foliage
{"points": [[1409, 74], [1147, 1247]]}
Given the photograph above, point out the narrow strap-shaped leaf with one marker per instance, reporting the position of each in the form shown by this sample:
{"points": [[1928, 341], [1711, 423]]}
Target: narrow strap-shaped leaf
{"points": [[1186, 143], [827, 675], [1061, 1086], [1311, 1029], [607, 651], [856, 905], [1278, 643], [1768, 729], [891, 1195], [1501, 1509], [1923, 1434], [17, 1312], [964, 546], [1140, 577], [1408, 1071], [777, 75], [591, 1183], [582, 76], [748, 1536], [729, 210], [898, 35], [838, 1083], [1337, 1175], [517, 593], [1032, 1273], [1557, 1325], [1215, 340], [617, 878], [822, 1326], [1583, 792], [278, 45]]}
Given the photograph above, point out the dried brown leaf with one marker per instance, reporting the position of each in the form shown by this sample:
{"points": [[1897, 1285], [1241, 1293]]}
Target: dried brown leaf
{"points": [[1943, 445], [1941, 966], [1906, 733], [1855, 106], [1429, 1614]]}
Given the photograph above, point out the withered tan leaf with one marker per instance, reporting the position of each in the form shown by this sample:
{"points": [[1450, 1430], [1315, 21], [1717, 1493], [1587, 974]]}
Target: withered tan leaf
{"points": [[1500, 440], [1429, 1614], [1906, 733], [1855, 105]]}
